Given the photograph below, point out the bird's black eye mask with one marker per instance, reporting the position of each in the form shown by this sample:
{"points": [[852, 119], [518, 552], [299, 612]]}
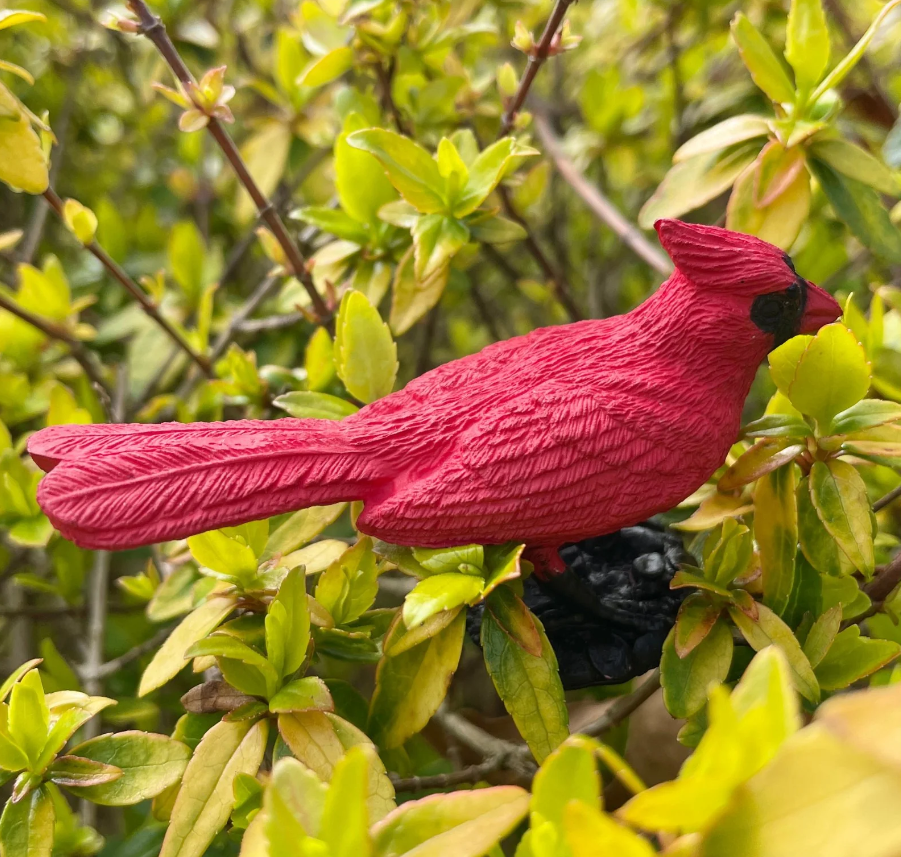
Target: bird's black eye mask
{"points": [[780, 313]]}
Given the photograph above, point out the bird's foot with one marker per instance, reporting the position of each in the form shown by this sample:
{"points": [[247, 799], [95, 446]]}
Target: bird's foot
{"points": [[546, 561]]}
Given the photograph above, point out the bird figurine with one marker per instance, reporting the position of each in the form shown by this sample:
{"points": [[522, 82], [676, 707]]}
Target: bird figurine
{"points": [[566, 433]]}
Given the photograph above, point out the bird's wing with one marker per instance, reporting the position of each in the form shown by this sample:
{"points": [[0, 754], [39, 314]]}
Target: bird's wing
{"points": [[542, 464]]}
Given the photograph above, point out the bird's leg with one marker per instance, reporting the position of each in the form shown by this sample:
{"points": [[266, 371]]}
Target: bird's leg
{"points": [[546, 561]]}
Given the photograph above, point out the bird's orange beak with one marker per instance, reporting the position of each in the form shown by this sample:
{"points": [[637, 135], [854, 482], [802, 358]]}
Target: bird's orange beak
{"points": [[821, 309]]}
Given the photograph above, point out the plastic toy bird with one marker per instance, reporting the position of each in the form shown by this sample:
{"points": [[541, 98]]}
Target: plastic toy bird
{"points": [[566, 433]]}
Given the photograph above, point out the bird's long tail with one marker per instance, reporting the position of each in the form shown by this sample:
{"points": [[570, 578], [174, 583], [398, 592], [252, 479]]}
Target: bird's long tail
{"points": [[121, 486]]}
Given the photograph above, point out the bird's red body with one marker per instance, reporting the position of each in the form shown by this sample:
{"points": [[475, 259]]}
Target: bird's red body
{"points": [[566, 433]]}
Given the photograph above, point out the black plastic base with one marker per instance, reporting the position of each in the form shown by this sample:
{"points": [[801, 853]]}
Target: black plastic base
{"points": [[608, 615]]}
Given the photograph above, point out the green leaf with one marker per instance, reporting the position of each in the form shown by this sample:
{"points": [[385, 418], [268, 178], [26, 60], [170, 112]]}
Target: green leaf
{"points": [[497, 230], [462, 823], [839, 496], [440, 592], [569, 774], [410, 686], [727, 552], [485, 173], [293, 805], [187, 251], [228, 648], [14, 17], [229, 557], [170, 657], [148, 763], [365, 353], [292, 595], [762, 458], [852, 657], [359, 179], [436, 239], [590, 832], [29, 718], [860, 208], [515, 619], [303, 694], [22, 162], [736, 129], [766, 69], [821, 635], [686, 681], [442, 560], [411, 299], [409, 167], [349, 585], [769, 630], [841, 71], [26, 827], [345, 823], [695, 181], [319, 360], [818, 546], [832, 374], [12, 758], [776, 533], [866, 414], [807, 42], [300, 528], [856, 163], [205, 798], [335, 222], [318, 406], [319, 739], [327, 68], [529, 687], [71, 770], [15, 675], [777, 425], [696, 618]]}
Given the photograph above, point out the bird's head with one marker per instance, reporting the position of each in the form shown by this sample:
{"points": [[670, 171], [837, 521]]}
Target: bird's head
{"points": [[750, 276]]}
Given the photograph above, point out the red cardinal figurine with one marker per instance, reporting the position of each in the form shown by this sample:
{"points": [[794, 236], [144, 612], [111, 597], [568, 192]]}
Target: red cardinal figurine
{"points": [[565, 433]]}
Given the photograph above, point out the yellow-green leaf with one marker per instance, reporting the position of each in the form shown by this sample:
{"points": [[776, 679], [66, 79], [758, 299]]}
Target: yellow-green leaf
{"points": [[807, 42], [365, 353], [205, 799], [22, 162], [766, 69], [776, 533], [686, 681]]}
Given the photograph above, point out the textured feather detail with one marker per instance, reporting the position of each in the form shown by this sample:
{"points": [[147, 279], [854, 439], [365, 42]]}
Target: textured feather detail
{"points": [[118, 486]]}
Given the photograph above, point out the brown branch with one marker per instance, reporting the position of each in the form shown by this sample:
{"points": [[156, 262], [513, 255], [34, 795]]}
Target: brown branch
{"points": [[116, 271], [152, 27], [84, 357], [536, 60], [270, 322], [884, 501], [472, 774], [624, 706], [106, 669], [628, 233], [389, 105], [559, 285], [884, 583]]}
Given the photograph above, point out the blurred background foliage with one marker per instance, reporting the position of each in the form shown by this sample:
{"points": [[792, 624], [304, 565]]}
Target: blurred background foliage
{"points": [[411, 181]]}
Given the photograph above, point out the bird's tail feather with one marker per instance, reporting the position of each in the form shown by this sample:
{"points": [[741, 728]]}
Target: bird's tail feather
{"points": [[121, 486]]}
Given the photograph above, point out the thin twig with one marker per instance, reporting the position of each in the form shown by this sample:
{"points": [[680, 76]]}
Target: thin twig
{"points": [[472, 774], [559, 285], [386, 77], [628, 233], [884, 583], [81, 354], [270, 322], [106, 669], [882, 502], [624, 706], [153, 28], [536, 59], [149, 307], [257, 297]]}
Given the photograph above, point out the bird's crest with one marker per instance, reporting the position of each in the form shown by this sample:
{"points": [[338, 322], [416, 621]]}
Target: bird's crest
{"points": [[717, 258]]}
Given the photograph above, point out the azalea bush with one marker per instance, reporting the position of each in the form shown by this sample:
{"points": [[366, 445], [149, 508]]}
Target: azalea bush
{"points": [[256, 209]]}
